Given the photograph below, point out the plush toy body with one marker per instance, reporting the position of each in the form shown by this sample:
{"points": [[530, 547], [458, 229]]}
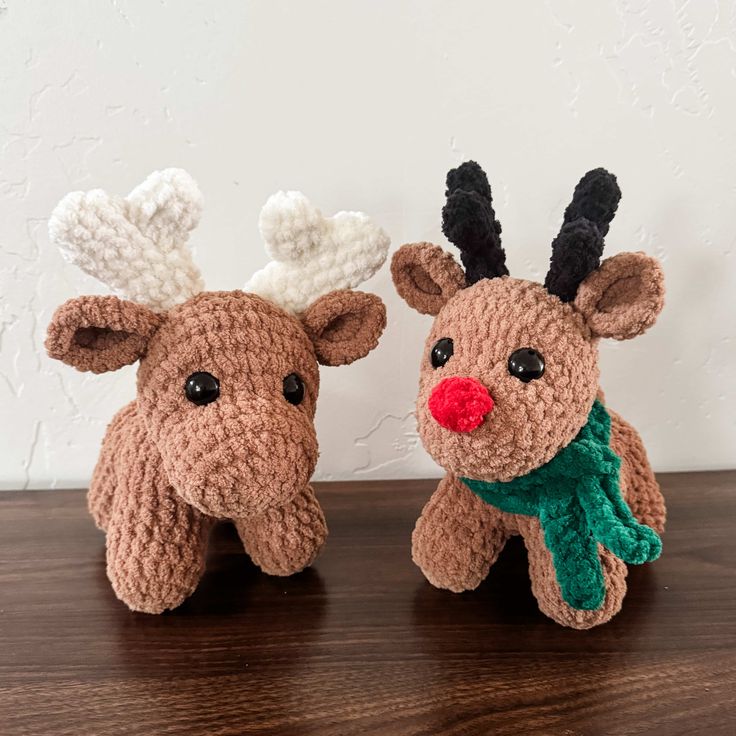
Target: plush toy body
{"points": [[223, 422], [509, 404]]}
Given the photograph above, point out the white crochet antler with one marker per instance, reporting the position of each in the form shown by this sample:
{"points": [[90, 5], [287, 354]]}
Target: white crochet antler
{"points": [[313, 254], [137, 244]]}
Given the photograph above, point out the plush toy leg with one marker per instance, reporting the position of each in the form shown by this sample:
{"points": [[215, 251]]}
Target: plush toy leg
{"points": [[104, 478], [155, 541], [638, 484], [285, 539], [457, 538], [547, 591]]}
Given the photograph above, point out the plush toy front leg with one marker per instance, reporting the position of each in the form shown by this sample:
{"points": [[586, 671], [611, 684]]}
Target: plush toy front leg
{"points": [[457, 538], [285, 539], [547, 590], [155, 543]]}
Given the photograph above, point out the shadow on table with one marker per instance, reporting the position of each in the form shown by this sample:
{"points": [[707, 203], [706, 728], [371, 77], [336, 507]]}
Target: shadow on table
{"points": [[238, 618], [495, 647], [502, 614]]}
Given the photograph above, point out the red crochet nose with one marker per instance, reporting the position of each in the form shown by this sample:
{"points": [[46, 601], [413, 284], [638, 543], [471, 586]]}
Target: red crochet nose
{"points": [[460, 403]]}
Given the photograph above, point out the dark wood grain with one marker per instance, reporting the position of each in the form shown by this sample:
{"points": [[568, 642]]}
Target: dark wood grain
{"points": [[361, 644]]}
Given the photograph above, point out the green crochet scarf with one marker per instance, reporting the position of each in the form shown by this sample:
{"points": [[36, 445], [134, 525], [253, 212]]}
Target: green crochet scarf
{"points": [[577, 497]]}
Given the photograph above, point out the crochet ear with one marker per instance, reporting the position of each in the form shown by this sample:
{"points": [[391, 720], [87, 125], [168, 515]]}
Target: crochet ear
{"points": [[426, 277], [344, 325], [623, 297], [100, 333]]}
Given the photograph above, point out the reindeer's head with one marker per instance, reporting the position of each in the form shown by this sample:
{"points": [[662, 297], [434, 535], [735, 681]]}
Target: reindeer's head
{"points": [[510, 367], [228, 381]]}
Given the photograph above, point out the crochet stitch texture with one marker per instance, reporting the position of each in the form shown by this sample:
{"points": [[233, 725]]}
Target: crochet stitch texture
{"points": [[490, 316], [135, 244], [171, 465], [577, 499], [313, 254]]}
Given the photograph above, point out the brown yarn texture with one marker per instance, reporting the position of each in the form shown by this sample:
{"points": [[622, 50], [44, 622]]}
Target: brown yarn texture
{"points": [[100, 333], [344, 325], [458, 536], [623, 297], [425, 276], [168, 468]]}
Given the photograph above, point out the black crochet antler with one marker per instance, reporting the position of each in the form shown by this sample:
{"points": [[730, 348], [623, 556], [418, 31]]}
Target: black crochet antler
{"points": [[577, 250], [468, 221]]}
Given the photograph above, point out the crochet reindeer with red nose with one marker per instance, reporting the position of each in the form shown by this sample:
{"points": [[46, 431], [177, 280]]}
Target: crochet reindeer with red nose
{"points": [[509, 404], [223, 422]]}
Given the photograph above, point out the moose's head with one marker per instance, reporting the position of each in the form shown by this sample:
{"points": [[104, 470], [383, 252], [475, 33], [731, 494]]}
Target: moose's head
{"points": [[228, 381], [510, 368]]}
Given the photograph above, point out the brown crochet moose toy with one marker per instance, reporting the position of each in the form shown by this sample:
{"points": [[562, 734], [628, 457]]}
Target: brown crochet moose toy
{"points": [[509, 404], [223, 422]]}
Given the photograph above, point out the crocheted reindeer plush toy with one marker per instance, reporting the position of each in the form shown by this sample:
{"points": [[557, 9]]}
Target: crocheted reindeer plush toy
{"points": [[223, 422], [509, 404]]}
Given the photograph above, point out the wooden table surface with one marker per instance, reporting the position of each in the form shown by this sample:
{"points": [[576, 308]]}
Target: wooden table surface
{"points": [[361, 643]]}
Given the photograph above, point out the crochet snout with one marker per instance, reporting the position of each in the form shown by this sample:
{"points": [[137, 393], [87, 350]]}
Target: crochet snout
{"points": [[250, 456], [460, 403]]}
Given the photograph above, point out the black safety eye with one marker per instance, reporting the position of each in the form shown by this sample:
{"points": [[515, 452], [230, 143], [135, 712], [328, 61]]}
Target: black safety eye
{"points": [[293, 389], [442, 352], [526, 364], [202, 388]]}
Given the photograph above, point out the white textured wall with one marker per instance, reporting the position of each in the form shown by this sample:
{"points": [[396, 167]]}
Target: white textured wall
{"points": [[366, 105]]}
